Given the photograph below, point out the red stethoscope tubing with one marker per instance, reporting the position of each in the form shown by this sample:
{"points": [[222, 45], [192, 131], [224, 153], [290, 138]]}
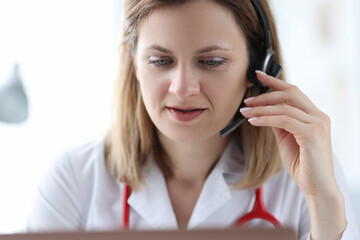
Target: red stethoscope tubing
{"points": [[258, 212], [126, 207]]}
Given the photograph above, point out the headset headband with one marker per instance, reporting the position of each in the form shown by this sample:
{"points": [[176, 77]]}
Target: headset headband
{"points": [[264, 22]]}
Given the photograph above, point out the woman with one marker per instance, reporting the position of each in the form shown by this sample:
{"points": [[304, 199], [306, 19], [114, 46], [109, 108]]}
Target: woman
{"points": [[185, 68]]}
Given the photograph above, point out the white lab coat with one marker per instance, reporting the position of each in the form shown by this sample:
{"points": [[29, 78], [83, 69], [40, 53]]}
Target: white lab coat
{"points": [[78, 193]]}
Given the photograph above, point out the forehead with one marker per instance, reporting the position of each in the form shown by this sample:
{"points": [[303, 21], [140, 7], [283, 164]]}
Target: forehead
{"points": [[195, 23]]}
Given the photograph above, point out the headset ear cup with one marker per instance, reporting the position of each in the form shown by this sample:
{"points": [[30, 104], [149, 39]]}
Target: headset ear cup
{"points": [[269, 60], [274, 69], [251, 76], [265, 62], [256, 65]]}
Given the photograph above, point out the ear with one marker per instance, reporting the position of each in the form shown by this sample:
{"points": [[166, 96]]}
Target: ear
{"points": [[249, 84]]}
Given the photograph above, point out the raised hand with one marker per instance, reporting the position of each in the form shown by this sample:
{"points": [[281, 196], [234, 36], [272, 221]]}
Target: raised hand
{"points": [[303, 136]]}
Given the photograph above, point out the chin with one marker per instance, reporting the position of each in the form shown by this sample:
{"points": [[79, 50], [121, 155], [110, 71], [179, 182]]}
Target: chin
{"points": [[189, 134]]}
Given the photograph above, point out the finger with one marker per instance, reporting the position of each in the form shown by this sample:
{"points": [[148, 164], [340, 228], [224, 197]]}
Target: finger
{"points": [[280, 85], [272, 82], [287, 123], [277, 110], [292, 97]]}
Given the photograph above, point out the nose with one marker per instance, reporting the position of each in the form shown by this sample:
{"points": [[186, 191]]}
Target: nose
{"points": [[184, 82]]}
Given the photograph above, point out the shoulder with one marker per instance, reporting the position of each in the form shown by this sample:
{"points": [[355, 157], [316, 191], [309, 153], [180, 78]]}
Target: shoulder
{"points": [[90, 151], [66, 193], [82, 157], [79, 167]]}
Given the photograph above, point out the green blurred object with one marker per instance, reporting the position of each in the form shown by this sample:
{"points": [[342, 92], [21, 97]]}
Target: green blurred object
{"points": [[14, 105]]}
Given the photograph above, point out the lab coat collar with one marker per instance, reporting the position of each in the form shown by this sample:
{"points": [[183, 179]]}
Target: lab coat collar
{"points": [[216, 191], [232, 161], [152, 200]]}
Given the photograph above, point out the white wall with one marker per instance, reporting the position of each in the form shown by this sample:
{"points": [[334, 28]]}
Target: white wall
{"points": [[67, 49], [66, 52]]}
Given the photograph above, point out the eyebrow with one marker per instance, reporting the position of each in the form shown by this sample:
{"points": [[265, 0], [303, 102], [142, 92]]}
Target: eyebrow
{"points": [[203, 50], [212, 48]]}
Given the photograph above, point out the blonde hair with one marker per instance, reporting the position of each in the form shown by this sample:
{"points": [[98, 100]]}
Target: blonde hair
{"points": [[132, 138]]}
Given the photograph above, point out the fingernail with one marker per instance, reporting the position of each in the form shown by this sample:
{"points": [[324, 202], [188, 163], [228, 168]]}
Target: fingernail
{"points": [[245, 109], [261, 72], [248, 99], [253, 119]]}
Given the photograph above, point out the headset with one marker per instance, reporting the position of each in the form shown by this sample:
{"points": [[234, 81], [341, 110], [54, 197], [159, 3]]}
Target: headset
{"points": [[265, 61]]}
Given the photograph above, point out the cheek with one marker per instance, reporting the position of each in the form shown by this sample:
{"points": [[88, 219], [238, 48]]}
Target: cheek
{"points": [[228, 93], [153, 88]]}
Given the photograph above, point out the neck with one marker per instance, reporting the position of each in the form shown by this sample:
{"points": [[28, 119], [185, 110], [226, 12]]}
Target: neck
{"points": [[192, 161]]}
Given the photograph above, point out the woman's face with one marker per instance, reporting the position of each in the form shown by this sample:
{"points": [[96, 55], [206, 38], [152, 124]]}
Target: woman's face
{"points": [[191, 61]]}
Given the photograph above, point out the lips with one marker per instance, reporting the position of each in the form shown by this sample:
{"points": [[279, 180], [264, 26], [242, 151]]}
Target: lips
{"points": [[185, 113]]}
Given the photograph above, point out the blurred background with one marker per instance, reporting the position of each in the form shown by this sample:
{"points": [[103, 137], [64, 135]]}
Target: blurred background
{"points": [[58, 62]]}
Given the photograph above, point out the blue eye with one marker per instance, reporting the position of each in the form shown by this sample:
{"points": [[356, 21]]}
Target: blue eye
{"points": [[213, 63], [159, 62]]}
